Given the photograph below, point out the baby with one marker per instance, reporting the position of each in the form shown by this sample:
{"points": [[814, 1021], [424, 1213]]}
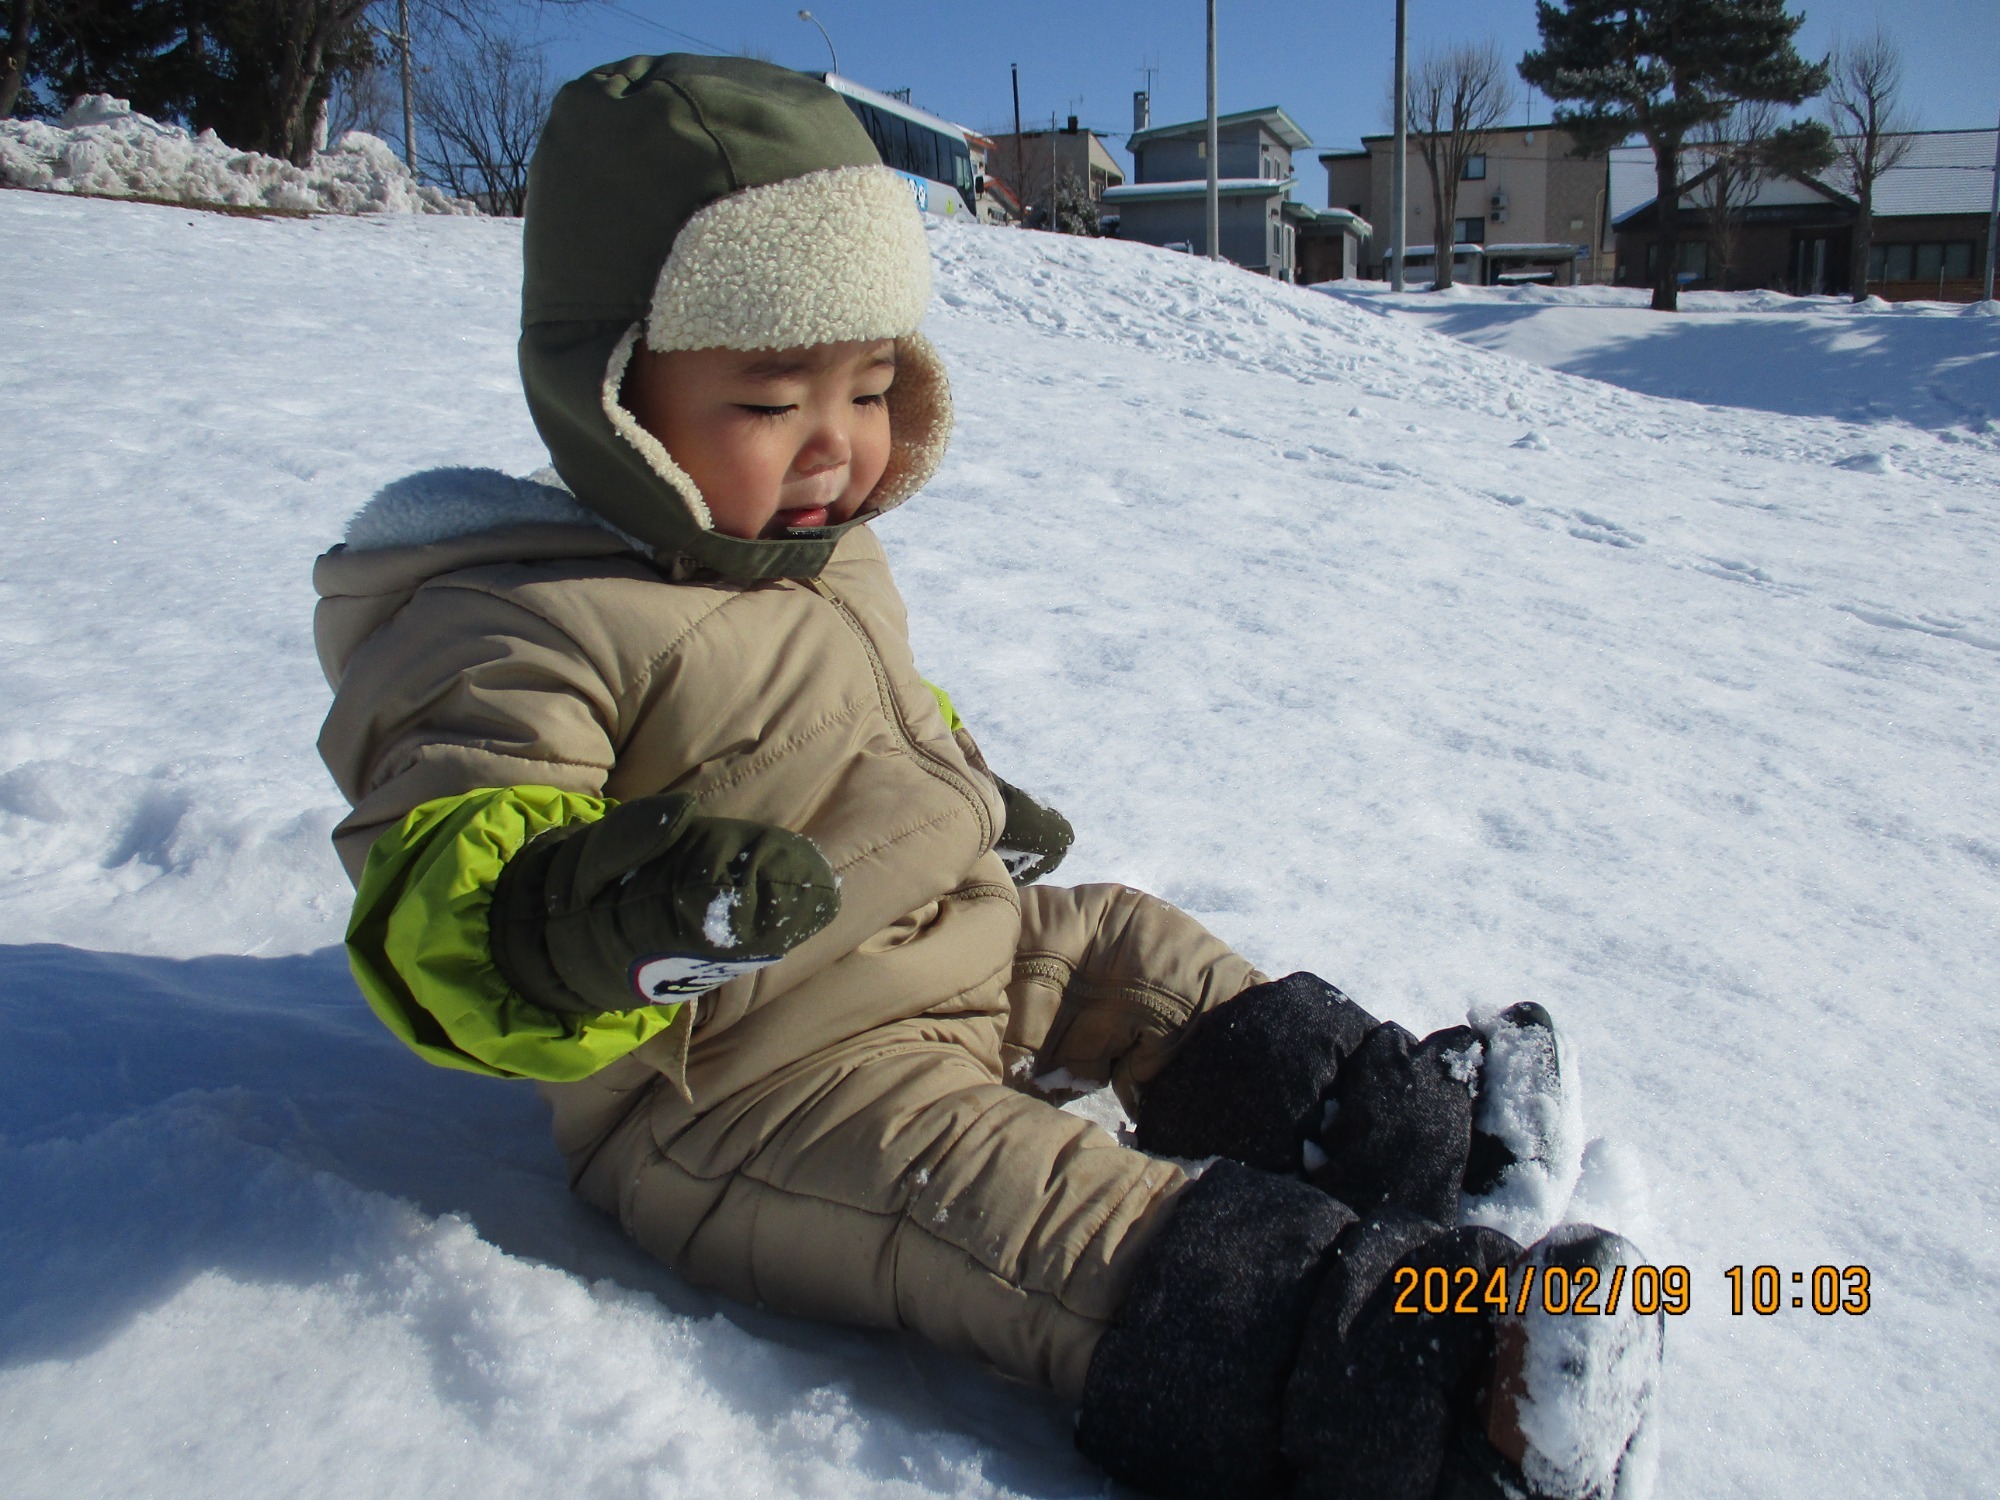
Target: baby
{"points": [[652, 805]]}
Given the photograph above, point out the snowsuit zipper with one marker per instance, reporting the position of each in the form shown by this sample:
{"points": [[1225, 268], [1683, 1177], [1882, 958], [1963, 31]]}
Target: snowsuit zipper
{"points": [[924, 758]]}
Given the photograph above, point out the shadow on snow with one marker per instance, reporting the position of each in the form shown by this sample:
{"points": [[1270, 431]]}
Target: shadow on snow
{"points": [[162, 1118]]}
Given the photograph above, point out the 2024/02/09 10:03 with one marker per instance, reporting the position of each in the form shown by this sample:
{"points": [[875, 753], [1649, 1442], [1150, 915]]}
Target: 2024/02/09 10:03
{"points": [[1585, 1290]]}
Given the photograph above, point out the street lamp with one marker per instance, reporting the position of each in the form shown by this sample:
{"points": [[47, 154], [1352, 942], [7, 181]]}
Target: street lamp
{"points": [[806, 15]]}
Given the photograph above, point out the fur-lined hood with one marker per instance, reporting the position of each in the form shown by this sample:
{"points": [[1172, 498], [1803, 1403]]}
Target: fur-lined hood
{"points": [[713, 202], [441, 521]]}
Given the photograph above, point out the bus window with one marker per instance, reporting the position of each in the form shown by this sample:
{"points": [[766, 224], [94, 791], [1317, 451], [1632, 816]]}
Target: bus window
{"points": [[913, 147]]}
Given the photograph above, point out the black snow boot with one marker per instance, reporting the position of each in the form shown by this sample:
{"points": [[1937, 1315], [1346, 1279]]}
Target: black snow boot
{"points": [[1393, 1400], [1274, 1345], [1185, 1393], [1292, 1076], [1386, 1391], [1472, 1124], [1250, 1080]]}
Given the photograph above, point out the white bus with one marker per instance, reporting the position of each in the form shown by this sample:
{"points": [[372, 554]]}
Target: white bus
{"points": [[930, 153]]}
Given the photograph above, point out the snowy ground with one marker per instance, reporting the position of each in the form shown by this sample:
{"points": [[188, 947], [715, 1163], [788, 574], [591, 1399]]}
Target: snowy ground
{"points": [[1932, 365], [1455, 678]]}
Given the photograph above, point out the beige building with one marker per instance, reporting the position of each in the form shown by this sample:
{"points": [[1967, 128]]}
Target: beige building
{"points": [[1041, 165], [1527, 210]]}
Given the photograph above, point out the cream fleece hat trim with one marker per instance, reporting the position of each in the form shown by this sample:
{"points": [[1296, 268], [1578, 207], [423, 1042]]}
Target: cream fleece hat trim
{"points": [[829, 257], [819, 259]]}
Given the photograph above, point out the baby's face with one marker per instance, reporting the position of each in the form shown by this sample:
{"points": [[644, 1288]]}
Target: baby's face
{"points": [[776, 438]]}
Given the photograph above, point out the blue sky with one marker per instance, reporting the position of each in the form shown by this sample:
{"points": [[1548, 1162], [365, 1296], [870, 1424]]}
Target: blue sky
{"points": [[1326, 64]]}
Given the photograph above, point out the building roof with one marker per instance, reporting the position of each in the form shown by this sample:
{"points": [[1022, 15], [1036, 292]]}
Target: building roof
{"points": [[1228, 187], [1272, 118], [1540, 249], [1390, 135], [1944, 172], [1332, 218], [1359, 154]]}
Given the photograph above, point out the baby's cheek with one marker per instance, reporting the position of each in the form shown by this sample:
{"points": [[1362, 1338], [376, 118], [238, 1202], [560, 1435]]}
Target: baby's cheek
{"points": [[870, 459]]}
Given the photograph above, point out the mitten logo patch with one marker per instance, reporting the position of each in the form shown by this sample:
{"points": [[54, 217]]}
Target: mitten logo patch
{"points": [[675, 976]]}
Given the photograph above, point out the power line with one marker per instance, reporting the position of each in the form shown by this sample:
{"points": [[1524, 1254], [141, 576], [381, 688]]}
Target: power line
{"points": [[633, 15]]}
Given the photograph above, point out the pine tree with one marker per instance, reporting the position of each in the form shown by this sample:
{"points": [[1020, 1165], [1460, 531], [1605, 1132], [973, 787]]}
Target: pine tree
{"points": [[1660, 68]]}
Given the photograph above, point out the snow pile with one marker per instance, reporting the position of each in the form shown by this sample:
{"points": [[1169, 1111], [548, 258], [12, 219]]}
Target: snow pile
{"points": [[105, 148], [1674, 724]]}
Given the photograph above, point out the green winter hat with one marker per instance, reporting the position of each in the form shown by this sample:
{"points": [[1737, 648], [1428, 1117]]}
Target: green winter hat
{"points": [[713, 202]]}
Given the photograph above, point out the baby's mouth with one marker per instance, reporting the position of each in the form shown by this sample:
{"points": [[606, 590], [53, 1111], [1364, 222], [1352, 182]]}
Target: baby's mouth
{"points": [[798, 518]]}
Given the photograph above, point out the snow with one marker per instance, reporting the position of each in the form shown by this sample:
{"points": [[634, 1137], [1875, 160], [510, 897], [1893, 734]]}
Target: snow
{"points": [[1531, 1100], [105, 148], [1588, 1383], [715, 924], [1676, 725], [1880, 367]]}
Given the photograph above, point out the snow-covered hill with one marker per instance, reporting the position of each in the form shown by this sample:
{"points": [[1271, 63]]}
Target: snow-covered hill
{"points": [[1455, 678]]}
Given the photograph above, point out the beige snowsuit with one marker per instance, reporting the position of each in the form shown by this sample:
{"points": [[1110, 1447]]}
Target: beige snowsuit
{"points": [[859, 1139]]}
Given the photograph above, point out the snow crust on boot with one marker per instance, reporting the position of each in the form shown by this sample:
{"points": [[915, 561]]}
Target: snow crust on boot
{"points": [[1581, 1389], [1528, 1126]]}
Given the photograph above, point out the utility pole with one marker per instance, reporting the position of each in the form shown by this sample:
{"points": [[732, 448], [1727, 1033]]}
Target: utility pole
{"points": [[1399, 165], [1993, 221], [1214, 188], [1020, 188], [409, 86]]}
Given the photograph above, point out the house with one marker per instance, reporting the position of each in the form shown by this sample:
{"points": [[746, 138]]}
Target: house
{"points": [[1330, 241], [1261, 228], [995, 201], [1070, 167], [1526, 208], [1796, 232]]}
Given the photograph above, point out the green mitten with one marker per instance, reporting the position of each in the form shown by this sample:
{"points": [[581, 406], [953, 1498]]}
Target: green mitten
{"points": [[652, 904], [1035, 838]]}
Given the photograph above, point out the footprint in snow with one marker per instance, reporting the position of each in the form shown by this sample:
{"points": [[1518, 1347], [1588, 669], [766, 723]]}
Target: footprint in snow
{"points": [[1592, 528], [1943, 627], [1734, 571]]}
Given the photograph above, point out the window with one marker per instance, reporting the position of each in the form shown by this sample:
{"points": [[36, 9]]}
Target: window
{"points": [[1475, 168], [1924, 261], [1468, 231], [1693, 260]]}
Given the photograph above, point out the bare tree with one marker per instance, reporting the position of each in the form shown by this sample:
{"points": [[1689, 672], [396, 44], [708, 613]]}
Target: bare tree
{"points": [[362, 98], [1733, 147], [482, 110], [1746, 149], [1871, 131], [1456, 95]]}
